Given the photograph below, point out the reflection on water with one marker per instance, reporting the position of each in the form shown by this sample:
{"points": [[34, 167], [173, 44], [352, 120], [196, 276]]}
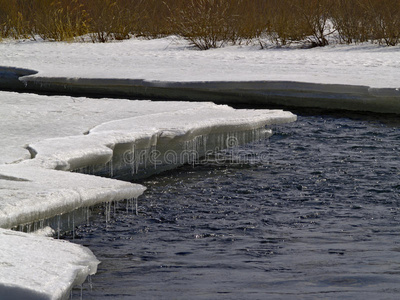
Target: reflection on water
{"points": [[319, 217]]}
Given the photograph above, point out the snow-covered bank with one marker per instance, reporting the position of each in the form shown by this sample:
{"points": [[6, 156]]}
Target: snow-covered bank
{"points": [[40, 268], [170, 59], [103, 136], [355, 77]]}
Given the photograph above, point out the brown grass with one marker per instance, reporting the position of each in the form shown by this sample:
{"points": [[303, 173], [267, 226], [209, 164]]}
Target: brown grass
{"points": [[205, 23]]}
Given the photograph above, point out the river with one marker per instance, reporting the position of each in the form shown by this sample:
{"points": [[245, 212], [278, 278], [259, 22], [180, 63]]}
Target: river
{"points": [[311, 213]]}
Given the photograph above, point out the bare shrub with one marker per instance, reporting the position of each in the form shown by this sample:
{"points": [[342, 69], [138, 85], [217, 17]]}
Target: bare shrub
{"points": [[205, 23], [154, 17], [314, 17], [284, 26], [60, 20], [351, 21], [14, 23], [110, 19], [384, 16]]}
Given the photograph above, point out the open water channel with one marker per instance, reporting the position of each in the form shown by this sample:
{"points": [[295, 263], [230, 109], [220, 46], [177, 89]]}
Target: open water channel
{"points": [[311, 213]]}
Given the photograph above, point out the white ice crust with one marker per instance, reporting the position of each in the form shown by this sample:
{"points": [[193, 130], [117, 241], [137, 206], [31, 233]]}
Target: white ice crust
{"points": [[39, 268], [31, 194], [63, 134]]}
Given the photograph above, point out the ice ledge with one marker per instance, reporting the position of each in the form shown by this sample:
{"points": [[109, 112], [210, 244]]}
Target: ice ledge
{"points": [[141, 146], [9, 77], [277, 93], [32, 194], [39, 188], [31, 266]]}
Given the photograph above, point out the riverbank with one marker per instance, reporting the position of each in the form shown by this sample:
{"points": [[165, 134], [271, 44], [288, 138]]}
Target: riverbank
{"points": [[350, 77]]}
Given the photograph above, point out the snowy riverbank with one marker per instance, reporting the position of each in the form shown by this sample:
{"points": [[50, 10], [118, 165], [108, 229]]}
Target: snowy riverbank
{"points": [[352, 77]]}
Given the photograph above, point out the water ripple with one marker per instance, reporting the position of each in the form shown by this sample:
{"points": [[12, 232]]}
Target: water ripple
{"points": [[318, 217]]}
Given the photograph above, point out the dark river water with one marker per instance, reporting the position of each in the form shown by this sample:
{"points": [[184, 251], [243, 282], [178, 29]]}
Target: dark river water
{"points": [[311, 213]]}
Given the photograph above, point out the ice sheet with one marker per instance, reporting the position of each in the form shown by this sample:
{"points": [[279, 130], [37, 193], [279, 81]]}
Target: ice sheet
{"points": [[170, 59], [31, 194], [34, 267], [28, 118], [165, 132]]}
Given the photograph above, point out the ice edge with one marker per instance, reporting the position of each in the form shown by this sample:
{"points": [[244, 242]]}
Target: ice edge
{"points": [[277, 93], [54, 156]]}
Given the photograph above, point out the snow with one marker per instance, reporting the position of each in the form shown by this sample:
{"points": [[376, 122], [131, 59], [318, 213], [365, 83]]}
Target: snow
{"points": [[34, 267], [28, 118], [170, 59]]}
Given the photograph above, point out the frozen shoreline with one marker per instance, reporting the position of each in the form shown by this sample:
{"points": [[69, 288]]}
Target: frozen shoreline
{"points": [[102, 136], [352, 77], [171, 60]]}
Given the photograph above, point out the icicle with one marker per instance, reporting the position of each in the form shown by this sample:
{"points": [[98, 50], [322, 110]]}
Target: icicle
{"points": [[58, 226], [146, 158], [155, 158], [87, 216], [131, 202], [205, 139], [90, 282], [111, 168], [132, 159], [73, 225], [107, 213], [136, 165]]}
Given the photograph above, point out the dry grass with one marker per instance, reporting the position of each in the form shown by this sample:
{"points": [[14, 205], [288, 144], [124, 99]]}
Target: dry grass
{"points": [[205, 23]]}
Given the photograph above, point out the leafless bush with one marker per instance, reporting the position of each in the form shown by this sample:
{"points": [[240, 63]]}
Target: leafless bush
{"points": [[205, 23], [384, 16]]}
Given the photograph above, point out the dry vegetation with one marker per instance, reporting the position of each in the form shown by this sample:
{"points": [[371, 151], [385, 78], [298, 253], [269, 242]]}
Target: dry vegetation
{"points": [[205, 23]]}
